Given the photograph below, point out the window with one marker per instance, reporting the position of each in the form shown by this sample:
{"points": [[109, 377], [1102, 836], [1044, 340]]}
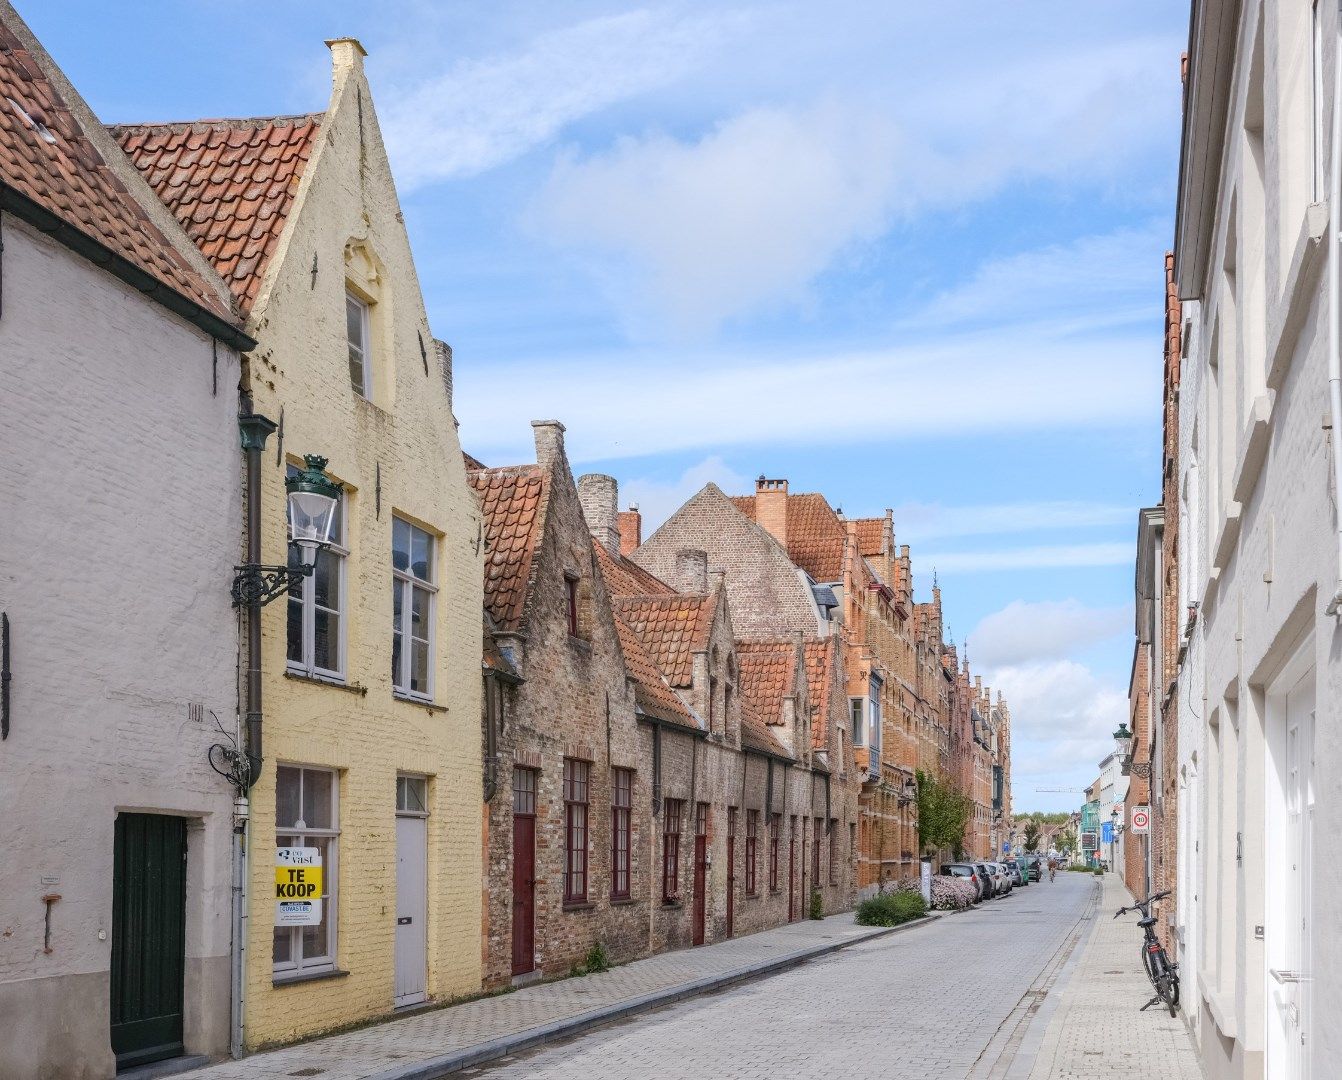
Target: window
{"points": [[621, 802], [412, 610], [855, 708], [575, 830], [524, 791], [775, 827], [307, 815], [874, 714], [316, 606], [712, 703], [412, 795], [356, 336], [752, 830], [671, 814], [571, 593], [833, 851], [815, 852]]}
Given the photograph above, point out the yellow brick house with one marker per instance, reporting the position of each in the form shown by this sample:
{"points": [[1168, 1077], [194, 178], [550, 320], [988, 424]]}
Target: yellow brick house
{"points": [[370, 669]]}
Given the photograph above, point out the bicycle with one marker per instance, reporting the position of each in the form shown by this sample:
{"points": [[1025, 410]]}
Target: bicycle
{"points": [[1163, 973]]}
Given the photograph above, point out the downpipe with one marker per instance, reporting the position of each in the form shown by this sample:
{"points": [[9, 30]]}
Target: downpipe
{"points": [[1335, 304]]}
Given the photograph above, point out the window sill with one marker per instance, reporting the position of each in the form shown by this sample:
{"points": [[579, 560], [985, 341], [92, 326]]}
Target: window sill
{"points": [[753, 895], [423, 703], [623, 901], [306, 977], [326, 680], [673, 905], [579, 905]]}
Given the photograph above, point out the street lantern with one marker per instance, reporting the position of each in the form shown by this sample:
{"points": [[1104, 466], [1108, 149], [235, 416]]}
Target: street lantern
{"points": [[1123, 741], [312, 504]]}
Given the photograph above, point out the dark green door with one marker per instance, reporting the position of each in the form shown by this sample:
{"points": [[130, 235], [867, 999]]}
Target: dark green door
{"points": [[148, 937]]}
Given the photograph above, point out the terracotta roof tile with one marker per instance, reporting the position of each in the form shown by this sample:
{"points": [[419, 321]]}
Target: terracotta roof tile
{"points": [[64, 174], [231, 183], [512, 500], [767, 675], [822, 663], [672, 627], [755, 735], [815, 535], [626, 578], [870, 536], [651, 690]]}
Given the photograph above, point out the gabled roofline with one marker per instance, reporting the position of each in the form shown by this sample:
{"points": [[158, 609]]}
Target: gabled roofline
{"points": [[86, 247]]}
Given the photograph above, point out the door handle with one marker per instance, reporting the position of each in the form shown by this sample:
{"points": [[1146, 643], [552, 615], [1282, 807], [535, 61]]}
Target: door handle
{"points": [[404, 920]]}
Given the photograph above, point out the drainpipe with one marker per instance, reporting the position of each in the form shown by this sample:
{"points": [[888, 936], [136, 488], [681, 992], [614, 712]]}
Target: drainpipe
{"points": [[1334, 308]]}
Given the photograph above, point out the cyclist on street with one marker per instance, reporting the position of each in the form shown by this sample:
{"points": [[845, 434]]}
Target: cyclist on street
{"points": [[1052, 869]]}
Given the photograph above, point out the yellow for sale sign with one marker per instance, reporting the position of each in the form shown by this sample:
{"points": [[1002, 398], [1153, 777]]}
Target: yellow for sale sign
{"points": [[298, 886]]}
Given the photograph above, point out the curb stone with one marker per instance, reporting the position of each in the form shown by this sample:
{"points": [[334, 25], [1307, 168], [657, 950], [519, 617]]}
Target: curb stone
{"points": [[537, 1036]]}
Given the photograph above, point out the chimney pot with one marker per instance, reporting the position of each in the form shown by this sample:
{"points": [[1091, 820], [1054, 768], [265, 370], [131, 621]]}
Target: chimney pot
{"points": [[549, 436], [692, 571], [599, 495]]}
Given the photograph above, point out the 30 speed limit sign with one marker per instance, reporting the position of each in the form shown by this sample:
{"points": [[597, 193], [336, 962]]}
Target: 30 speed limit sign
{"points": [[1141, 819]]}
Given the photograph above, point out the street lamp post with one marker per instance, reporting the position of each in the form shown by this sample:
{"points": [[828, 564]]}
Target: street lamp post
{"points": [[1123, 747]]}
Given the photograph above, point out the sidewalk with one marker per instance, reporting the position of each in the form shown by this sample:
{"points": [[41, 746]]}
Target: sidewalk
{"points": [[440, 1041], [1096, 1031]]}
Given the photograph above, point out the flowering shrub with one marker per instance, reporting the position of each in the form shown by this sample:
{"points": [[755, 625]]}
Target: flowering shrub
{"points": [[952, 893]]}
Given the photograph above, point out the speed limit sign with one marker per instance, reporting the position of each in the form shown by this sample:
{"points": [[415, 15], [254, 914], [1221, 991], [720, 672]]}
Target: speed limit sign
{"points": [[1141, 819]]}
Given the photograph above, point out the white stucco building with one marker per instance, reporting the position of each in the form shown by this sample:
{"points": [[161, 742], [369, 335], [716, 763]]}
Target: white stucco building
{"points": [[119, 511], [1257, 269]]}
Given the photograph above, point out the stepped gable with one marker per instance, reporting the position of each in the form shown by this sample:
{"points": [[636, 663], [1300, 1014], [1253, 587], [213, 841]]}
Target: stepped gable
{"points": [[673, 627], [47, 160], [512, 500], [231, 183], [815, 535]]}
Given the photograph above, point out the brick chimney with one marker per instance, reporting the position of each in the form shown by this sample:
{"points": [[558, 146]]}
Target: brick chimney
{"points": [[549, 441], [771, 507], [599, 495], [692, 571], [631, 530]]}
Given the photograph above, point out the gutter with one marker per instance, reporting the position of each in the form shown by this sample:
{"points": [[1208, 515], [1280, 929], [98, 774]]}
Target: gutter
{"points": [[83, 245], [1335, 307]]}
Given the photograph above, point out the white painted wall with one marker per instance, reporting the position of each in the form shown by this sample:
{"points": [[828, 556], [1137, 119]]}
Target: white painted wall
{"points": [[119, 527]]}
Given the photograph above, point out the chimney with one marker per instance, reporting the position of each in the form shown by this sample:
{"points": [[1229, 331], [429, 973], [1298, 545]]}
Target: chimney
{"points": [[549, 441], [631, 530], [692, 571], [771, 507], [599, 496], [718, 580], [346, 55]]}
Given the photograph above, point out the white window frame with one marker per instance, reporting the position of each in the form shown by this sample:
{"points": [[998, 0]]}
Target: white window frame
{"points": [[296, 965], [353, 300], [307, 665], [857, 718], [874, 714], [406, 783], [407, 582]]}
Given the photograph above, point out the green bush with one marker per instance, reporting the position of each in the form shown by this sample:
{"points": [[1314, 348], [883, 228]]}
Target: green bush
{"points": [[817, 905], [596, 960], [891, 909]]}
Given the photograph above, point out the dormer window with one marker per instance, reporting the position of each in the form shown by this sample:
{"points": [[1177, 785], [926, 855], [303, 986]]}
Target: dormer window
{"points": [[358, 338]]}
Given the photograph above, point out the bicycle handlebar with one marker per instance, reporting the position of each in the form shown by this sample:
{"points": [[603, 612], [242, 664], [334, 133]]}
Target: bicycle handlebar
{"points": [[1143, 904]]}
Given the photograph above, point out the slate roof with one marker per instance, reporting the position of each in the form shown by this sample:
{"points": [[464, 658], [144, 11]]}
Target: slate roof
{"points": [[815, 535], [767, 673], [672, 627], [231, 183], [47, 158], [624, 577], [652, 692], [512, 500]]}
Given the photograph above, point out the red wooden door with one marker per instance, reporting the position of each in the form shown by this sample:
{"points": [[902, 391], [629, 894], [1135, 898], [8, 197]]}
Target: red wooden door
{"points": [[791, 872], [700, 871], [731, 867], [524, 871]]}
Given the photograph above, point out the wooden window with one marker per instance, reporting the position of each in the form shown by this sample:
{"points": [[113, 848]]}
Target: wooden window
{"points": [[775, 828], [412, 612], [571, 597], [316, 629], [357, 338], [833, 851], [621, 803], [307, 814], [671, 815], [575, 830], [752, 839]]}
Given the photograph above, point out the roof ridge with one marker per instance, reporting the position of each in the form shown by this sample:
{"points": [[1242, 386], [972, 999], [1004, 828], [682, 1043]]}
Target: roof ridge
{"points": [[219, 121]]}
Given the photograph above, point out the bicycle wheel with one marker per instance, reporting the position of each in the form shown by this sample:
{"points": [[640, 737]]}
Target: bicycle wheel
{"points": [[1152, 965]]}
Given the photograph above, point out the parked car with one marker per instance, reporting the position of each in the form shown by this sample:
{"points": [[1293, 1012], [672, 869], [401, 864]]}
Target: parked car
{"points": [[1004, 876], [994, 888], [1034, 866], [972, 874], [1017, 871]]}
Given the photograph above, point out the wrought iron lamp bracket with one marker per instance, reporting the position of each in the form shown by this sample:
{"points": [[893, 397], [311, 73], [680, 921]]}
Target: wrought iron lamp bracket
{"points": [[258, 584], [1141, 769]]}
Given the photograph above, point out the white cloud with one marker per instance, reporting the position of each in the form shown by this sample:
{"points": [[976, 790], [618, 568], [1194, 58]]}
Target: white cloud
{"points": [[657, 499], [916, 523], [743, 217], [1044, 630], [484, 112], [1030, 558]]}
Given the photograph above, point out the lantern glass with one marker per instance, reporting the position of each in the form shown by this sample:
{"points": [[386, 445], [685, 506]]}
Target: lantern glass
{"points": [[1123, 740]]}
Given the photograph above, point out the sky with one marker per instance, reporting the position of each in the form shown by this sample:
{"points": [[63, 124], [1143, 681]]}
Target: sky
{"points": [[908, 255]]}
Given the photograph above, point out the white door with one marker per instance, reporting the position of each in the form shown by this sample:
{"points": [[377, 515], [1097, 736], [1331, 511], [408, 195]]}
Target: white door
{"points": [[411, 902], [1290, 879]]}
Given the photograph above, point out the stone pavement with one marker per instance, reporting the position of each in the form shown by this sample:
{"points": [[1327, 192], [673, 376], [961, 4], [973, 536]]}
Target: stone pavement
{"points": [[1096, 1031], [430, 1042]]}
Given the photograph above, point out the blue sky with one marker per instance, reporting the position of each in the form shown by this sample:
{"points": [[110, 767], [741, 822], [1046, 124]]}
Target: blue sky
{"points": [[908, 255]]}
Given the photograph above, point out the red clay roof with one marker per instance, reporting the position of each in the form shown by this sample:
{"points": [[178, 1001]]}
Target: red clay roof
{"points": [[815, 535], [870, 536], [672, 628], [768, 674], [511, 499], [755, 735], [64, 174], [651, 690], [822, 662], [231, 183], [626, 578]]}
